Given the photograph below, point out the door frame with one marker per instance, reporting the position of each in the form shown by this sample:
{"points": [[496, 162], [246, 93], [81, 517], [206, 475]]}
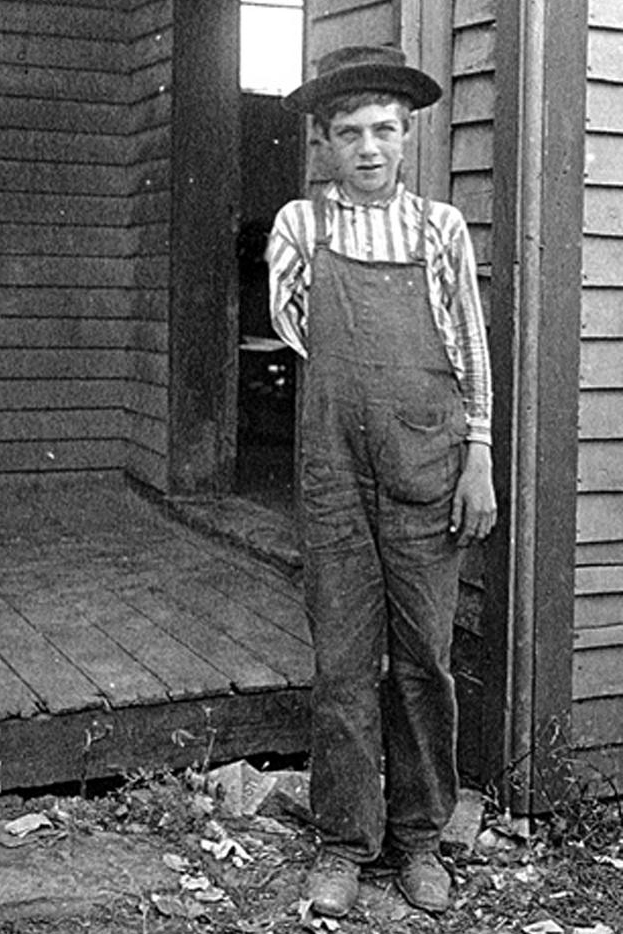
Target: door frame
{"points": [[203, 316]]}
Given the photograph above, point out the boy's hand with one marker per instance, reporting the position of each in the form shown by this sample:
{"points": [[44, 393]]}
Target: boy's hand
{"points": [[473, 507]]}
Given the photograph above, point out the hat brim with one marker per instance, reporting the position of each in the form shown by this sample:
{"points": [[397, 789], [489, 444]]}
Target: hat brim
{"points": [[417, 86]]}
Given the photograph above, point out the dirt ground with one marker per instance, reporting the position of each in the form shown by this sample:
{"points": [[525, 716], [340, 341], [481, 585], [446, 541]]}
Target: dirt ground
{"points": [[165, 854]]}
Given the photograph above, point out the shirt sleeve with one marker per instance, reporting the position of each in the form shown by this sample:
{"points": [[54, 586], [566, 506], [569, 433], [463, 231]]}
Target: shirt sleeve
{"points": [[289, 263], [465, 309]]}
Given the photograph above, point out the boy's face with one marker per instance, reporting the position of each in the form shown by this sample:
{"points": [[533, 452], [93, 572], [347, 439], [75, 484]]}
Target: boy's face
{"points": [[367, 148]]}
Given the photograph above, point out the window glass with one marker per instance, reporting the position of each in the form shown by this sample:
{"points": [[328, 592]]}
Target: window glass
{"points": [[271, 45]]}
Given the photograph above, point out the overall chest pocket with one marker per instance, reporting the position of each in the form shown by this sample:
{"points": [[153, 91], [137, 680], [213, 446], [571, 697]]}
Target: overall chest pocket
{"points": [[421, 462]]}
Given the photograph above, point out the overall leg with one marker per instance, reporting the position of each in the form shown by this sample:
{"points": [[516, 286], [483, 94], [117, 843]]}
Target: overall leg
{"points": [[421, 729], [419, 465], [421, 564], [346, 608]]}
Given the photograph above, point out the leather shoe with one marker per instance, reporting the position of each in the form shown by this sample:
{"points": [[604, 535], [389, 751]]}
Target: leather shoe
{"points": [[333, 885], [425, 882]]}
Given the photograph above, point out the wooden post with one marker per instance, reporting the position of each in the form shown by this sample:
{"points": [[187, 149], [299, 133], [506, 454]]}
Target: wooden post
{"points": [[558, 375], [498, 570], [538, 213], [204, 311]]}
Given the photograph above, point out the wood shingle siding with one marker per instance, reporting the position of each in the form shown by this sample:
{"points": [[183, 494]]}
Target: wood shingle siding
{"points": [[85, 91], [598, 646]]}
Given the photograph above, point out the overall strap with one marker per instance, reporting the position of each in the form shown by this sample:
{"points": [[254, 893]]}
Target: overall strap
{"points": [[420, 251], [319, 205]]}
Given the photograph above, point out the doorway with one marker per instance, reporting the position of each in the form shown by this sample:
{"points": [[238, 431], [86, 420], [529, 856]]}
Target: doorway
{"points": [[270, 175]]}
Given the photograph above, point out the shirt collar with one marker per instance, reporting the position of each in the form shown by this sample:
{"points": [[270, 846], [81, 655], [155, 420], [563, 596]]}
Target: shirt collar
{"points": [[334, 193]]}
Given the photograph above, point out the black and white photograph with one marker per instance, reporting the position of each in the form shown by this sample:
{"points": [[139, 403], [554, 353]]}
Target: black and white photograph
{"points": [[311, 466]]}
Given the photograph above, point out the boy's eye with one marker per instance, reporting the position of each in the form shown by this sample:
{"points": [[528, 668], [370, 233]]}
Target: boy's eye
{"points": [[348, 136], [386, 131]]}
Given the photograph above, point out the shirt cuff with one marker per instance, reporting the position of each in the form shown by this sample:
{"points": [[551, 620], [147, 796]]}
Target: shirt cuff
{"points": [[288, 332], [479, 430]]}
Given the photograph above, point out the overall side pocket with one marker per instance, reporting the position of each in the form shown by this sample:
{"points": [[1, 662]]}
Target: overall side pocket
{"points": [[420, 463]]}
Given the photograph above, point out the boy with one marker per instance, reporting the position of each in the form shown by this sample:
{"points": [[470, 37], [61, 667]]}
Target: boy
{"points": [[377, 289]]}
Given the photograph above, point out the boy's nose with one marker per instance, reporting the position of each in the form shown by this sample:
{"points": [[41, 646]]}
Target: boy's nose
{"points": [[368, 142]]}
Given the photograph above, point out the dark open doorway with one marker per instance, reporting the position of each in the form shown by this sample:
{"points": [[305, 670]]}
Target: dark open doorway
{"points": [[270, 152], [270, 173]]}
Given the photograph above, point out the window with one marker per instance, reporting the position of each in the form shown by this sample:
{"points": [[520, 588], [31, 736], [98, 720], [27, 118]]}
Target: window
{"points": [[271, 46]]}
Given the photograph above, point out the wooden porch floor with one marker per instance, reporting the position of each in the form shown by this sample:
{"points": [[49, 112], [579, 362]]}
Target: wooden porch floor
{"points": [[127, 639]]}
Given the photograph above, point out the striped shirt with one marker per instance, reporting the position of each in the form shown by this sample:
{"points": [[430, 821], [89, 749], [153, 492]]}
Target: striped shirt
{"points": [[389, 232]]}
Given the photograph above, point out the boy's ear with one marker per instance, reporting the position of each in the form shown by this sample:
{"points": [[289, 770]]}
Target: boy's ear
{"points": [[320, 165]]}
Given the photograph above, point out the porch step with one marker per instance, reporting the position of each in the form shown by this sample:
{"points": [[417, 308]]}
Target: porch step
{"points": [[265, 533]]}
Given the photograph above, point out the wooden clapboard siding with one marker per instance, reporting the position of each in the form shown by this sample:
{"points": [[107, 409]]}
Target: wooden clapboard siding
{"points": [[333, 23], [67, 302], [84, 233], [68, 240], [60, 209], [467, 12], [99, 118], [80, 454], [44, 84], [59, 20], [471, 165], [599, 721], [112, 6], [598, 649], [601, 416], [67, 267], [149, 186], [57, 270], [21, 143], [61, 425], [42, 175], [37, 49], [155, 47], [56, 394], [74, 333]]}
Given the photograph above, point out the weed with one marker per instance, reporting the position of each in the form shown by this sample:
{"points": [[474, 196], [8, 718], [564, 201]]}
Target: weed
{"points": [[574, 801]]}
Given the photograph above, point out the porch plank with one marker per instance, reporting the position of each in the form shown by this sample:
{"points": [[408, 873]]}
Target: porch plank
{"points": [[119, 677], [261, 590], [284, 612], [285, 654], [181, 671], [16, 698], [59, 684], [243, 670]]}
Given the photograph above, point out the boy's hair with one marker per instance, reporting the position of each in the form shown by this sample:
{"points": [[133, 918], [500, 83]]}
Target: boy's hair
{"points": [[349, 103]]}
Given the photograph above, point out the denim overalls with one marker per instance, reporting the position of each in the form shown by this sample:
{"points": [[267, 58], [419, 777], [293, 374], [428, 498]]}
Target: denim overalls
{"points": [[382, 436]]}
